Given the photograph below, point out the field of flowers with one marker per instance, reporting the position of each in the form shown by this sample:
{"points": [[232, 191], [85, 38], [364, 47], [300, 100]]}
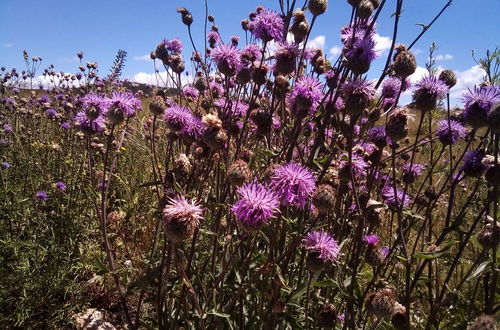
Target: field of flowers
{"points": [[276, 190]]}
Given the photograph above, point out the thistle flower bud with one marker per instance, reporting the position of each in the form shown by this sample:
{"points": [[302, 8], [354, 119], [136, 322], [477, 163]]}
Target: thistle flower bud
{"points": [[314, 263], [324, 198], [398, 318], [397, 125], [365, 9], [404, 62], [354, 3], [244, 75], [374, 256], [187, 18], [381, 303], [239, 173], [317, 7], [448, 77], [157, 105], [263, 120], [259, 75], [200, 83], [244, 24]]}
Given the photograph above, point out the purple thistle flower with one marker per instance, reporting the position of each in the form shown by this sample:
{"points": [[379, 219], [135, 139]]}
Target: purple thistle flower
{"points": [[90, 125], [177, 118], [257, 204], [182, 210], [44, 99], [7, 128], [390, 195], [174, 45], [41, 196], [385, 251], [65, 125], [305, 95], [360, 55], [5, 165], [213, 38], [60, 185], [94, 105], [267, 25], [413, 169], [51, 113], [428, 91], [250, 53], [377, 135], [391, 87], [359, 87], [449, 132], [194, 129], [235, 40], [323, 244], [350, 34], [125, 102], [371, 239], [478, 103], [293, 183], [472, 163], [359, 167], [227, 58], [190, 91], [286, 55]]}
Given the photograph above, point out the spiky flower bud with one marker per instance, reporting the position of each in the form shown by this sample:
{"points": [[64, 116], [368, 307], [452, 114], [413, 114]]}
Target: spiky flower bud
{"points": [[398, 318], [181, 217], [381, 303], [365, 9], [187, 18], [200, 83], [448, 77], [157, 105], [324, 198], [317, 7], [239, 173], [405, 63], [397, 125]]}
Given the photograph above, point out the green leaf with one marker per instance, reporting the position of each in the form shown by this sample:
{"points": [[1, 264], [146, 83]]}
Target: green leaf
{"points": [[479, 270], [324, 283]]}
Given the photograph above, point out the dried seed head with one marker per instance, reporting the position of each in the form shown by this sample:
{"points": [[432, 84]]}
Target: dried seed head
{"points": [[488, 236], [212, 121], [187, 18], [397, 125], [200, 83], [365, 9], [157, 105], [324, 198], [317, 7], [381, 303], [182, 165], [215, 138], [374, 256], [448, 77], [404, 62], [398, 318], [239, 173]]}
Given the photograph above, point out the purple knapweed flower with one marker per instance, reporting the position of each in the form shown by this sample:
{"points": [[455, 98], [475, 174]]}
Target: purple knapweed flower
{"points": [[359, 166], [377, 135], [65, 125], [60, 185], [324, 245], [7, 128], [122, 105], [472, 163], [428, 91], [293, 183], [213, 38], [179, 119], [478, 103], [413, 169], [41, 196], [227, 58], [267, 25], [5, 165], [394, 197], [257, 204], [360, 55], [51, 113], [450, 131], [251, 53], [391, 87], [371, 239], [174, 46], [181, 209], [305, 95], [286, 55]]}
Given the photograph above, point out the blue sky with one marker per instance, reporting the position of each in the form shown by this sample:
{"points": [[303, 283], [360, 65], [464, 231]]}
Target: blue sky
{"points": [[57, 29]]}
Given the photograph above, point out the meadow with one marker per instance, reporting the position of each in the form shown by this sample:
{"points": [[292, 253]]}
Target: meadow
{"points": [[274, 190]]}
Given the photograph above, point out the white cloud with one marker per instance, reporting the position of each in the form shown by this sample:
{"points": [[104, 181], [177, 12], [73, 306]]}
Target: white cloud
{"points": [[417, 51], [317, 42], [335, 50], [419, 73], [145, 58], [8, 45], [444, 57], [160, 78], [382, 43]]}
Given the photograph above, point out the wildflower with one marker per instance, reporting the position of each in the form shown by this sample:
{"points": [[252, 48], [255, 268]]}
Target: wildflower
{"points": [[65, 125], [60, 185], [5, 165], [322, 249], [178, 118], [286, 55], [450, 131], [257, 204], [397, 125], [377, 135], [391, 87], [478, 103], [488, 236], [393, 197], [357, 94], [398, 317], [293, 183], [213, 38], [472, 163], [411, 172], [41, 196], [305, 95], [227, 58], [300, 27], [374, 255], [122, 105], [51, 113], [181, 217], [317, 7], [358, 165], [157, 105], [371, 239], [360, 55], [429, 90], [250, 53], [91, 118], [7, 128], [267, 25]]}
